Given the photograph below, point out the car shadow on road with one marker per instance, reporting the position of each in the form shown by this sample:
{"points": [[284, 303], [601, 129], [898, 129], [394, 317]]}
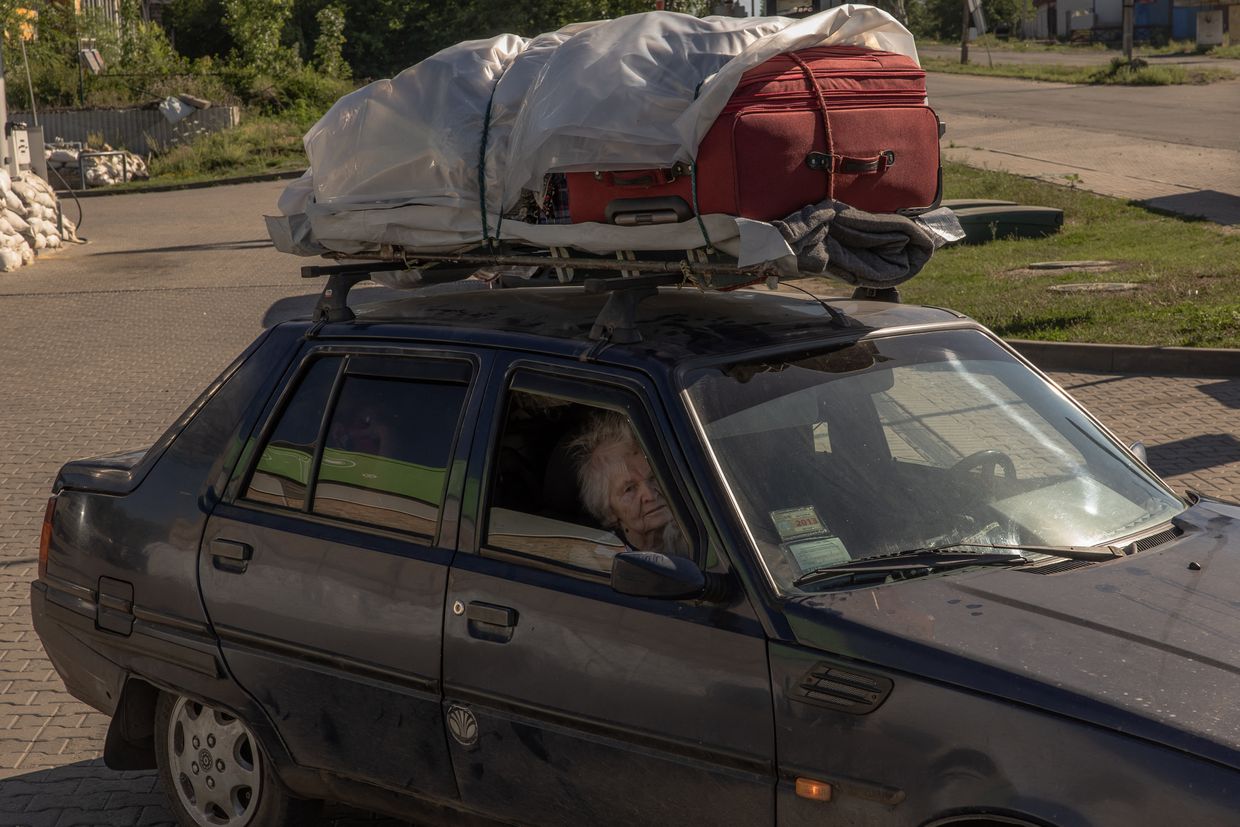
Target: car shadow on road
{"points": [[1185, 456], [1226, 392], [87, 792]]}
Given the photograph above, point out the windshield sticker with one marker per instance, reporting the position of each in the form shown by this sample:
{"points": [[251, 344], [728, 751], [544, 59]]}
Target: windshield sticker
{"points": [[797, 522], [817, 553]]}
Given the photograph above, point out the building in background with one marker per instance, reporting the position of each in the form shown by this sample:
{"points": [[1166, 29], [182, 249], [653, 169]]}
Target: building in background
{"points": [[1101, 21], [1208, 22], [111, 9]]}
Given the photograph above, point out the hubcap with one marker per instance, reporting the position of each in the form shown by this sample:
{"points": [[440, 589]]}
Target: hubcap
{"points": [[214, 763]]}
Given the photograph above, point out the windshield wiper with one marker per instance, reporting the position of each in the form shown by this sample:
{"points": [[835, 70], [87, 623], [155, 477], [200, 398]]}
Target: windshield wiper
{"points": [[919, 560], [1095, 553]]}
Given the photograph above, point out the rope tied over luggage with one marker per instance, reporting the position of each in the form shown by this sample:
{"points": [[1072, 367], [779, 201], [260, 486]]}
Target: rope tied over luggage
{"points": [[487, 239], [826, 123], [697, 213], [710, 248]]}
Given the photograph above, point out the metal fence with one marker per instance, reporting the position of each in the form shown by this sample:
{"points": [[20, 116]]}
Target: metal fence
{"points": [[138, 130]]}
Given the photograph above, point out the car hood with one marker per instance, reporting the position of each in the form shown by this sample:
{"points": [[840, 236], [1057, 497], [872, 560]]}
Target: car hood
{"points": [[1144, 645]]}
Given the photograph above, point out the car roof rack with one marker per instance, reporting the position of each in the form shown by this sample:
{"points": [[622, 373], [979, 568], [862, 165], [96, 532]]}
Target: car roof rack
{"points": [[637, 280]]}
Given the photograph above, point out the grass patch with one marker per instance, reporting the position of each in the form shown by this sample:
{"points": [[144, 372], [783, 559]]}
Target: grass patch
{"points": [[1189, 294], [260, 143], [995, 44], [1188, 47], [1139, 73]]}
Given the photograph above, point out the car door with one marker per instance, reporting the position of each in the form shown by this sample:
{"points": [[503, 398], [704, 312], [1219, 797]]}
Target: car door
{"points": [[324, 570], [569, 703]]}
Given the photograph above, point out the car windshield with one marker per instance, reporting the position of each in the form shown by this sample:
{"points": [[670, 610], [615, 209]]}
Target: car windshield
{"points": [[914, 441]]}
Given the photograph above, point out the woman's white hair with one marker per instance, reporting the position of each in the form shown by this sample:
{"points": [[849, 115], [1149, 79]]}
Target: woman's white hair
{"points": [[595, 467]]}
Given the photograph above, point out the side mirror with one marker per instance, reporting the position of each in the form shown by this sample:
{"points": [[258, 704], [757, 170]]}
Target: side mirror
{"points": [[651, 574], [1138, 448]]}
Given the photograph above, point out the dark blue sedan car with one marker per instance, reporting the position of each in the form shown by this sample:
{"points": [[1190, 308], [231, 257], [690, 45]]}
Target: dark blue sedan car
{"points": [[912, 582]]}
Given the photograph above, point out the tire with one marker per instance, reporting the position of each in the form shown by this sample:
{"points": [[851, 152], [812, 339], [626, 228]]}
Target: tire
{"points": [[214, 773]]}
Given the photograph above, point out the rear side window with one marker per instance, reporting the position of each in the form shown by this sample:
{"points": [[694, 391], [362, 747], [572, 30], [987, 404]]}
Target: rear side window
{"points": [[385, 459], [282, 476], [371, 446]]}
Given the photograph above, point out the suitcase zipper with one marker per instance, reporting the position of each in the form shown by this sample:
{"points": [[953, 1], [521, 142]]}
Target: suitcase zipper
{"points": [[805, 101], [790, 76]]}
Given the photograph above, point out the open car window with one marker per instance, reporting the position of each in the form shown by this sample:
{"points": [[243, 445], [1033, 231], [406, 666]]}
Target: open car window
{"points": [[913, 441], [538, 511]]}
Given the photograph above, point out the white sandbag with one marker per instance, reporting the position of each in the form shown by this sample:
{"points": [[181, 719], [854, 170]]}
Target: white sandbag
{"points": [[37, 183], [15, 221], [53, 240], [10, 260], [25, 192], [26, 253], [6, 183], [14, 202]]}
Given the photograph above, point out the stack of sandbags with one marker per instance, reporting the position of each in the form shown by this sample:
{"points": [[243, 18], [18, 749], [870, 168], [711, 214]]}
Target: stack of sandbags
{"points": [[29, 220], [100, 170]]}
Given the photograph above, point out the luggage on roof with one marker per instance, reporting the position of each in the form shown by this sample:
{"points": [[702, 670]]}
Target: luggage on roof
{"points": [[829, 122], [442, 158]]}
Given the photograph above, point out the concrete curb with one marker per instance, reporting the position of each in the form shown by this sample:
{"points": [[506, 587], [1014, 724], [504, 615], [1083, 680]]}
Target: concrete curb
{"points": [[194, 185], [1099, 358]]}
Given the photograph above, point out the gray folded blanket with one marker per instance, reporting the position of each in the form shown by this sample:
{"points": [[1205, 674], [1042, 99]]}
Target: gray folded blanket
{"points": [[865, 249]]}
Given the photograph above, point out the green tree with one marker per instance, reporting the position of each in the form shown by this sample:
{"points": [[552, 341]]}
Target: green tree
{"points": [[257, 28], [197, 29], [328, 46], [940, 19]]}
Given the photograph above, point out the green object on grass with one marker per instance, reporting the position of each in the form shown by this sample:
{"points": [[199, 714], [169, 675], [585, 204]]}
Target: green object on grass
{"points": [[983, 224], [966, 203]]}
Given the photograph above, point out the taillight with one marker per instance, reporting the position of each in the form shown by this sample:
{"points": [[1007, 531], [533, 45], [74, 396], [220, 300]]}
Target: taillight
{"points": [[45, 537]]}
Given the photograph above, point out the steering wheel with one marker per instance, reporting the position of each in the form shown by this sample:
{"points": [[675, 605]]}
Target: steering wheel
{"points": [[990, 459]]}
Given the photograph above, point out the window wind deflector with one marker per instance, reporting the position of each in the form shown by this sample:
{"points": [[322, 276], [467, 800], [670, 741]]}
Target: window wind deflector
{"points": [[920, 561]]}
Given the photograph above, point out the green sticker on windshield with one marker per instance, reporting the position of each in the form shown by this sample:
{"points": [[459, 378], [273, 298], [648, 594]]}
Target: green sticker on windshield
{"points": [[818, 552], [797, 522]]}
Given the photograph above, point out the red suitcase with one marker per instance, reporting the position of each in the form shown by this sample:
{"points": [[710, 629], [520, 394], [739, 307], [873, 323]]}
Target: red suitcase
{"points": [[861, 133]]}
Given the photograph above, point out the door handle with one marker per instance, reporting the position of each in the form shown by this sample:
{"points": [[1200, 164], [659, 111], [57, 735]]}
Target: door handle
{"points": [[489, 613], [487, 621], [231, 556]]}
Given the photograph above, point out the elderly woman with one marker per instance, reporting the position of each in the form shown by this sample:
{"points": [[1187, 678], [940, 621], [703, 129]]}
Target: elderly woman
{"points": [[619, 489]]}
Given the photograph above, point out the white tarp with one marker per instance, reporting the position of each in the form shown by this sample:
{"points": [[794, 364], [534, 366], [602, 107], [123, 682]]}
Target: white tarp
{"points": [[398, 161]]}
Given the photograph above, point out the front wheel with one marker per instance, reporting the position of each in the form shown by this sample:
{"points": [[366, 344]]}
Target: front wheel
{"points": [[213, 771]]}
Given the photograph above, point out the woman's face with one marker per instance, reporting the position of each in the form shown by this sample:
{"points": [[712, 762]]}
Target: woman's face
{"points": [[634, 496]]}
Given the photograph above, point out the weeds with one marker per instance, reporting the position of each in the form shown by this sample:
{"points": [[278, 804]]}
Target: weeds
{"points": [[1138, 73]]}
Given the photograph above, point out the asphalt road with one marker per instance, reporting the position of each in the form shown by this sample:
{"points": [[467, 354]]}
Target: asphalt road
{"points": [[1203, 116], [105, 344], [1077, 57], [1176, 147]]}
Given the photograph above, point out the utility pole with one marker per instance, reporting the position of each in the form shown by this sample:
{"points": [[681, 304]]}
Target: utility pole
{"points": [[1128, 31], [964, 32]]}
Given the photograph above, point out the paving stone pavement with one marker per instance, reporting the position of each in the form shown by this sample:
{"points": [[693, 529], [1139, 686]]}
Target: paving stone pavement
{"points": [[106, 344]]}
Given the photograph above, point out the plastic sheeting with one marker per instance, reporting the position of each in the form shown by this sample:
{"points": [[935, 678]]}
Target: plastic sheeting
{"points": [[403, 161]]}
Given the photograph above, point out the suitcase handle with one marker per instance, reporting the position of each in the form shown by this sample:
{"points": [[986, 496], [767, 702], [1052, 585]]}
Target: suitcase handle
{"points": [[851, 164], [643, 177]]}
